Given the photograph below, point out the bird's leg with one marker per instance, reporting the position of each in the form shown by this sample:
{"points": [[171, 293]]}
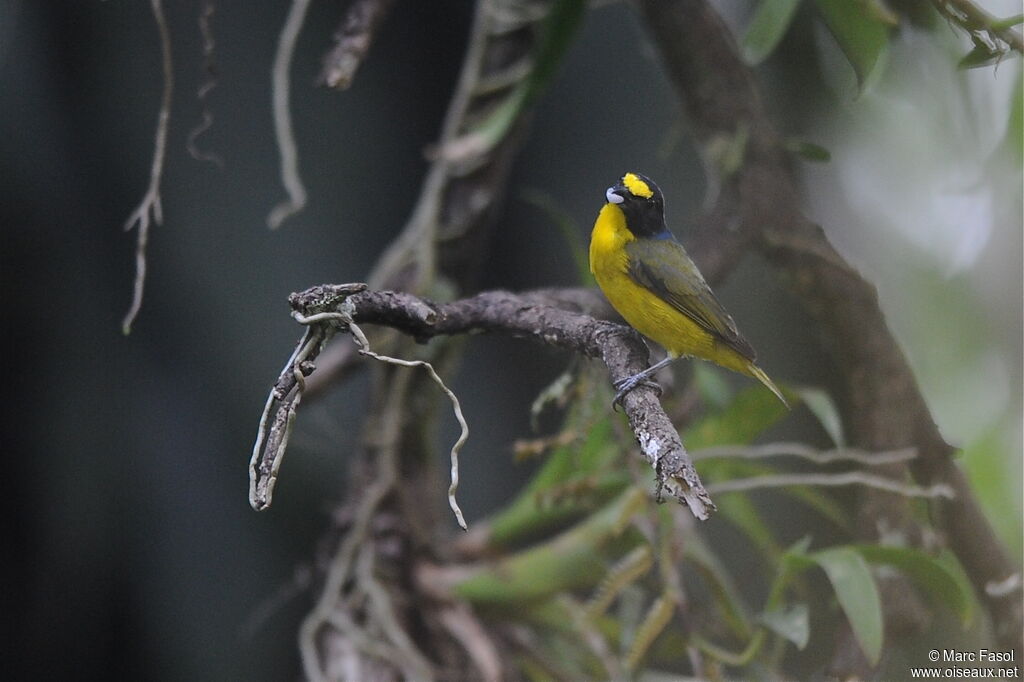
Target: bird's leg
{"points": [[626, 385]]}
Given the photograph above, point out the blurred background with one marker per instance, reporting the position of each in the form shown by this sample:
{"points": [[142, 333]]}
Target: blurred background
{"points": [[135, 553]]}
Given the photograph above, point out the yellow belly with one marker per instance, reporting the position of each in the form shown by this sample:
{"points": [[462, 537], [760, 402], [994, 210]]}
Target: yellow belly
{"points": [[644, 310]]}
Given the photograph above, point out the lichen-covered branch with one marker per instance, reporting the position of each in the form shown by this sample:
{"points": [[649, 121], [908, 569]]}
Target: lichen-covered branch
{"points": [[535, 315]]}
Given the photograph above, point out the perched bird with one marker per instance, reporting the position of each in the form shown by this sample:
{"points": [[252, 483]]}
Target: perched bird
{"points": [[651, 281]]}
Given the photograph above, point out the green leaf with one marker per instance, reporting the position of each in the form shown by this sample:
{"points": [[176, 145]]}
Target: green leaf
{"points": [[800, 547], [820, 502], [752, 411], [792, 624], [928, 573], [570, 560], [857, 594], [720, 583], [980, 55], [808, 151], [1008, 22], [860, 28], [557, 32], [1014, 138], [995, 479], [768, 25], [821, 406], [741, 512], [526, 516]]}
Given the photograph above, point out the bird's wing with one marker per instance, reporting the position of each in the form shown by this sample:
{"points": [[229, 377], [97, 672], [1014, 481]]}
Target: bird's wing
{"points": [[663, 268]]}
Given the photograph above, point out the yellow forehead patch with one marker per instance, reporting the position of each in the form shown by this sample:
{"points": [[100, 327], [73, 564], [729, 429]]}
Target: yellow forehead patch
{"points": [[636, 186]]}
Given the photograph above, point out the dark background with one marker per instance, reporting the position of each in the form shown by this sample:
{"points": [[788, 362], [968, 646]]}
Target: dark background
{"points": [[134, 551]]}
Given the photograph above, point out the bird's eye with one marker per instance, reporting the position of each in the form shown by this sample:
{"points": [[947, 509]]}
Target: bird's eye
{"points": [[612, 197]]}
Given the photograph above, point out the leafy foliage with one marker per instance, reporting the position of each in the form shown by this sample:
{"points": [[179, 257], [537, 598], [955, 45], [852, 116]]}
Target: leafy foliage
{"points": [[584, 553]]}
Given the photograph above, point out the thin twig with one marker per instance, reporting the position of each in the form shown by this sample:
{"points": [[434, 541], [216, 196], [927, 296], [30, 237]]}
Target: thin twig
{"points": [[323, 310], [283, 132], [150, 203], [832, 480], [364, 349], [807, 452], [210, 81]]}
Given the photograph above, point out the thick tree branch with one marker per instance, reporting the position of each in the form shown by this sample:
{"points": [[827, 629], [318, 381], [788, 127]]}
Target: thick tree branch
{"points": [[535, 315], [758, 205]]}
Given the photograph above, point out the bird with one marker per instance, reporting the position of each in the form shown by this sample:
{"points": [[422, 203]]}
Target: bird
{"points": [[647, 276]]}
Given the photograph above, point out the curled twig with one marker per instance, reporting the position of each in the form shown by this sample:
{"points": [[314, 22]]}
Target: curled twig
{"points": [[150, 204], [364, 349], [324, 310]]}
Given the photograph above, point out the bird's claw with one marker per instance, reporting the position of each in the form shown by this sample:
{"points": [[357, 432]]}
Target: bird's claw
{"points": [[626, 385]]}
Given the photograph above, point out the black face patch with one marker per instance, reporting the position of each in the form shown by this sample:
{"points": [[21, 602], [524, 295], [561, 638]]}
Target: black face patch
{"points": [[645, 216]]}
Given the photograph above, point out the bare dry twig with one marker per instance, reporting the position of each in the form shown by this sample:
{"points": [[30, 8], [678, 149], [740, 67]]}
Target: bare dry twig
{"points": [[282, 403], [840, 479], [364, 349], [808, 453], [324, 310], [150, 205]]}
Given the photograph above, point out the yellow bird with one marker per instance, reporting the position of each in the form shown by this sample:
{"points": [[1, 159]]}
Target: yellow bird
{"points": [[650, 280]]}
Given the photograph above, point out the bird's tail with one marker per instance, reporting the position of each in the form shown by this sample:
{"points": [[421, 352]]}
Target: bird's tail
{"points": [[759, 374]]}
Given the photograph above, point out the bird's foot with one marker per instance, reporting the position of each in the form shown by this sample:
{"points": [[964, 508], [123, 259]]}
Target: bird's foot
{"points": [[626, 385]]}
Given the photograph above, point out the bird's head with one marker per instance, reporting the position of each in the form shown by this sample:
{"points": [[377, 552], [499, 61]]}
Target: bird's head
{"points": [[641, 202]]}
